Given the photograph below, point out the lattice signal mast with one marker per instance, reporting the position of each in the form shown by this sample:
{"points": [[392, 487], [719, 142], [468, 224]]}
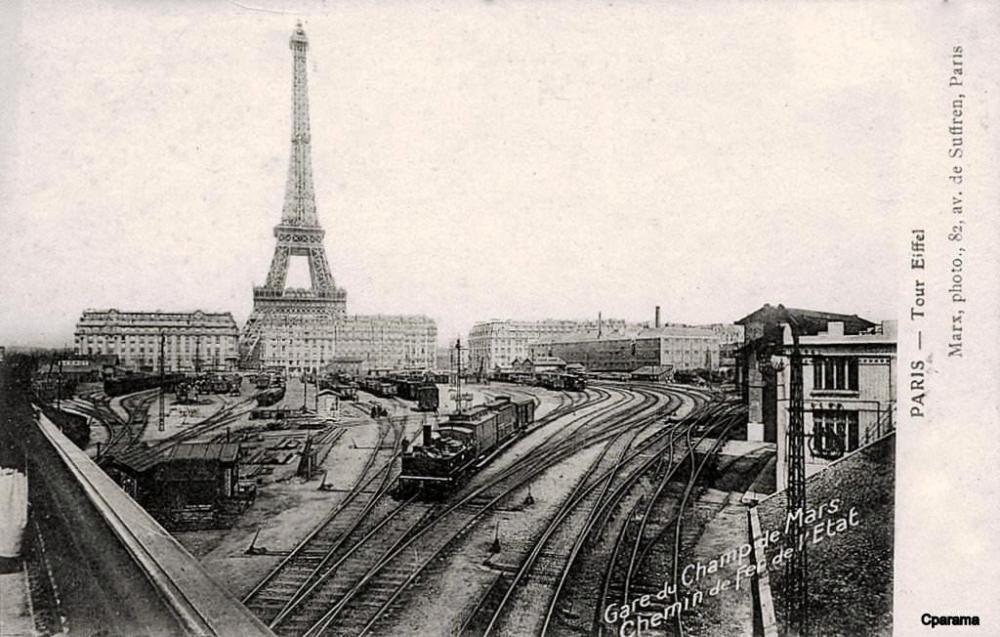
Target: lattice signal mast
{"points": [[161, 424], [796, 568], [299, 233], [459, 399]]}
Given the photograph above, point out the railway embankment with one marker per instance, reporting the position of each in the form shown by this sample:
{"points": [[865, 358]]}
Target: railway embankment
{"points": [[850, 549]]}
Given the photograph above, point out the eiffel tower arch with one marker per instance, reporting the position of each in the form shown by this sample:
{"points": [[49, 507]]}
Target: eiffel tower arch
{"points": [[299, 234]]}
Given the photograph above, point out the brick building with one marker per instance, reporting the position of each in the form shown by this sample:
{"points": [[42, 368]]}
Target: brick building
{"points": [[626, 350]]}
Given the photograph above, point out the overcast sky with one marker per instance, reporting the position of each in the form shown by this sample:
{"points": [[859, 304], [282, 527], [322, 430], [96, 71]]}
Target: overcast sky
{"points": [[471, 159]]}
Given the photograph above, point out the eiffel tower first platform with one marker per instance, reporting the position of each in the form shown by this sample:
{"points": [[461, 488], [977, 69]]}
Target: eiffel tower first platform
{"points": [[306, 328]]}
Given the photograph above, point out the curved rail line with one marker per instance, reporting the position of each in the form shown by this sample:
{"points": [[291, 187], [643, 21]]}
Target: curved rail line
{"points": [[412, 526], [271, 596], [333, 556], [594, 514], [727, 417], [459, 516]]}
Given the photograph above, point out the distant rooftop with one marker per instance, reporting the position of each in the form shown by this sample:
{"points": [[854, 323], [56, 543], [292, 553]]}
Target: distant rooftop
{"points": [[634, 332]]}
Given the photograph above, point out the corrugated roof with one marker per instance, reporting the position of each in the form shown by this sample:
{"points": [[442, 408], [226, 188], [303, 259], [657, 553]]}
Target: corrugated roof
{"points": [[810, 321], [221, 451], [139, 458], [142, 457]]}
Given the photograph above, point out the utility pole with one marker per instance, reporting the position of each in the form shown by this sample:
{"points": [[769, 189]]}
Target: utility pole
{"points": [[197, 355], [161, 424], [796, 568], [458, 376], [304, 391], [59, 384]]}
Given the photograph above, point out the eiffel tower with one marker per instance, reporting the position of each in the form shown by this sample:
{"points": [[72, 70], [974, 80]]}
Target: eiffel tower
{"points": [[299, 233]]}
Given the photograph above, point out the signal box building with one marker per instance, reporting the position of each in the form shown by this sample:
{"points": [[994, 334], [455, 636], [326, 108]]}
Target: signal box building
{"points": [[764, 338], [189, 485], [849, 392]]}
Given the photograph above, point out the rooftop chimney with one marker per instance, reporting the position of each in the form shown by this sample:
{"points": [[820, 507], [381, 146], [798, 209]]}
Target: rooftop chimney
{"points": [[658, 317]]}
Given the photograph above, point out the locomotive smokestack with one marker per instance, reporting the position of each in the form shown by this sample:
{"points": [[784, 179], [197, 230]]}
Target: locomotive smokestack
{"points": [[657, 324], [427, 435]]}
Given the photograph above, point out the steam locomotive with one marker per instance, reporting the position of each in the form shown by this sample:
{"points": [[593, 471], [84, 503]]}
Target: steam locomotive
{"points": [[443, 462]]}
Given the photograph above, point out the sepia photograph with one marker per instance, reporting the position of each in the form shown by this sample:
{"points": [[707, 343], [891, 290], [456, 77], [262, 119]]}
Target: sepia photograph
{"points": [[498, 318]]}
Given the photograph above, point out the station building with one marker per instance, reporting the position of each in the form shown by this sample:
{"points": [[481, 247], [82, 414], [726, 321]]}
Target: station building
{"points": [[496, 343], [193, 340], [849, 392]]}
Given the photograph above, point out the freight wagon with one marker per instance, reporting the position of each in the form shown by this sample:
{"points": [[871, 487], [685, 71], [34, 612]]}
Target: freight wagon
{"points": [[270, 396], [131, 384]]}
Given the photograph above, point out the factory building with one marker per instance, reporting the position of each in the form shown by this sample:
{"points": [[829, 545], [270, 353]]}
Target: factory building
{"points": [[628, 349], [497, 343], [192, 340], [849, 392]]}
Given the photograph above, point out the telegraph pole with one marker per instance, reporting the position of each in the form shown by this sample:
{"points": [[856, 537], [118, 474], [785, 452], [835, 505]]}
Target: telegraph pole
{"points": [[162, 418], [59, 377], [458, 376], [304, 391]]}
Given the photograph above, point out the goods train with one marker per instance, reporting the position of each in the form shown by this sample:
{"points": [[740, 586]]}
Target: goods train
{"points": [[424, 393], [132, 384], [567, 382], [340, 384], [343, 391], [421, 392], [558, 381], [270, 396], [444, 462]]}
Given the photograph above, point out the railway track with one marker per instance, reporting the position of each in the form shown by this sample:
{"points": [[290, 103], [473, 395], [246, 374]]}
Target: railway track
{"points": [[364, 604], [329, 543], [625, 577], [578, 507], [317, 552], [371, 541], [561, 542]]}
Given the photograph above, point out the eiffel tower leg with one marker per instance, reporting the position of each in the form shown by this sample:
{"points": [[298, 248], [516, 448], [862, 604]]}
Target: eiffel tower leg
{"points": [[319, 269], [278, 274]]}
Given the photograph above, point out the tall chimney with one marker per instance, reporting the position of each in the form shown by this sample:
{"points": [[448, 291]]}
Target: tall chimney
{"points": [[657, 317]]}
